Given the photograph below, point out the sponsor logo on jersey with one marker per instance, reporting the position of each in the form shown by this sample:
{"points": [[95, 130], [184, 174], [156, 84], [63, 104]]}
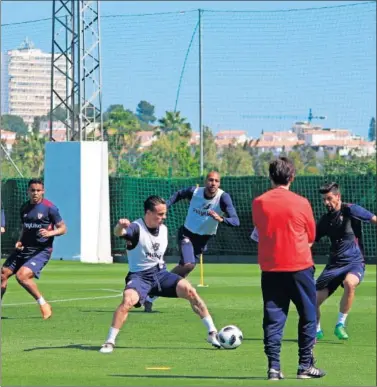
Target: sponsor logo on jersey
{"points": [[30, 226]]}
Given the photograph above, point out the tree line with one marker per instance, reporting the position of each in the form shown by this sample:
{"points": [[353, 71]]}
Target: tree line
{"points": [[171, 154]]}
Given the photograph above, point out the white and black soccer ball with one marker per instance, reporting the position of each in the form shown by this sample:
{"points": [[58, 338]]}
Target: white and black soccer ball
{"points": [[230, 337]]}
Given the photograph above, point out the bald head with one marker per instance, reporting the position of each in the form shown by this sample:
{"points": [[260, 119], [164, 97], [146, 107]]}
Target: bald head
{"points": [[214, 173]]}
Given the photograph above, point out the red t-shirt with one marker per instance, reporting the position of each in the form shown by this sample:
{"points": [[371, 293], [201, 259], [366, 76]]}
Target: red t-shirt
{"points": [[286, 226]]}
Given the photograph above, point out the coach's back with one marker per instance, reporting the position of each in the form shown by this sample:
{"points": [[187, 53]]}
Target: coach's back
{"points": [[286, 227]]}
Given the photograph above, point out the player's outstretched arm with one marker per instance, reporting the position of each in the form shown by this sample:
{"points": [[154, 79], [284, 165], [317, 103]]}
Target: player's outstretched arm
{"points": [[362, 214], [227, 207], [122, 225], [185, 193]]}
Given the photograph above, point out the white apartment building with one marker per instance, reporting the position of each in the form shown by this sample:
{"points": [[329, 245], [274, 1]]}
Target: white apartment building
{"points": [[29, 86], [4, 83]]}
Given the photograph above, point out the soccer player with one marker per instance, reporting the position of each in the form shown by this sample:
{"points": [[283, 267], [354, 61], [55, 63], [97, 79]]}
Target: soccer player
{"points": [[147, 240], [285, 228], [346, 267], [208, 205], [41, 222]]}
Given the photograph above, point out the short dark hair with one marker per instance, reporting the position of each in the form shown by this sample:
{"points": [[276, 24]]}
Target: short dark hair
{"points": [[35, 181], [152, 202], [329, 187], [281, 170]]}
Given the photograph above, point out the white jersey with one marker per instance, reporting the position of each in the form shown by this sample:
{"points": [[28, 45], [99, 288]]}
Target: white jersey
{"points": [[197, 220], [150, 249]]}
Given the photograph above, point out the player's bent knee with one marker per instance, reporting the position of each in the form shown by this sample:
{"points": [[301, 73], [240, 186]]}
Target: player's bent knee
{"points": [[5, 273], [130, 299], [186, 290], [24, 276], [350, 284]]}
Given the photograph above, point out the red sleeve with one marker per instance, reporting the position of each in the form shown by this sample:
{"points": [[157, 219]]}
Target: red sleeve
{"points": [[310, 222]]}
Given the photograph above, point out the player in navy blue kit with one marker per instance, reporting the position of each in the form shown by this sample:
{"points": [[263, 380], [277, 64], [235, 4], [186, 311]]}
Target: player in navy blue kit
{"points": [[208, 204], [41, 222], [342, 225], [147, 240]]}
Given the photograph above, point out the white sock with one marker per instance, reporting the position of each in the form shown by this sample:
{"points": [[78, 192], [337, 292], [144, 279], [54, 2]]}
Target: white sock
{"points": [[113, 333], [342, 317], [41, 301], [208, 322], [318, 326], [151, 299]]}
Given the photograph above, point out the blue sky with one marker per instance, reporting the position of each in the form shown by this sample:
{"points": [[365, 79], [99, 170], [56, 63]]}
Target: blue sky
{"points": [[270, 64], [18, 11]]}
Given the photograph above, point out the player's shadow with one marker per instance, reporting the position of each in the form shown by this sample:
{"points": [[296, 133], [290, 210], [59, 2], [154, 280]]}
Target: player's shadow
{"points": [[20, 318], [295, 341], [85, 347], [190, 377]]}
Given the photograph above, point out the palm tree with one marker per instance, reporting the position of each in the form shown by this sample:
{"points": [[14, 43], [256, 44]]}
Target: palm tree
{"points": [[173, 122]]}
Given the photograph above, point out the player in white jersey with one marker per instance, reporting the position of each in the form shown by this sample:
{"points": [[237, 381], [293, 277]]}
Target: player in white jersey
{"points": [[209, 206], [147, 240]]}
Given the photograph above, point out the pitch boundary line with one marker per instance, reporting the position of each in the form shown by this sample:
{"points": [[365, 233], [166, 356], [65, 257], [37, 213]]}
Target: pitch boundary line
{"points": [[71, 299]]}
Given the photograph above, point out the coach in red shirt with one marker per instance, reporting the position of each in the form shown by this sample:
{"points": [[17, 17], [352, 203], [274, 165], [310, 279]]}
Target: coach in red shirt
{"points": [[286, 230]]}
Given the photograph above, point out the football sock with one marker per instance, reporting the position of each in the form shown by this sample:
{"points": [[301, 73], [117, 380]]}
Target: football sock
{"points": [[208, 322], [342, 318]]}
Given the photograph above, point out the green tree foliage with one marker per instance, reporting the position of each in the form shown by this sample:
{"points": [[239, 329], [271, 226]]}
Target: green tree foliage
{"points": [[110, 109], [173, 122], [170, 155], [236, 161], [211, 159], [13, 123], [261, 162], [295, 156], [28, 154], [120, 130], [338, 165], [36, 124], [145, 112]]}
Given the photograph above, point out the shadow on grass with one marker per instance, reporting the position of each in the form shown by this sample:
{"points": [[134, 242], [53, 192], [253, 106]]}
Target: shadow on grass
{"points": [[85, 347], [323, 341], [20, 318]]}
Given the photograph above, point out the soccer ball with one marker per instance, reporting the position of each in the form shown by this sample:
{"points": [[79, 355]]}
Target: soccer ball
{"points": [[230, 337]]}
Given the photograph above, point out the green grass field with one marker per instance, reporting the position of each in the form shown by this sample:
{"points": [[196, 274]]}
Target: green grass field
{"points": [[63, 351]]}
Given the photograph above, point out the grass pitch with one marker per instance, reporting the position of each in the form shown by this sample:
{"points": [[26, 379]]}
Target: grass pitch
{"points": [[168, 348]]}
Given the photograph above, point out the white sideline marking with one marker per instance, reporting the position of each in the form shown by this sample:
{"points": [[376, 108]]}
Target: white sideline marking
{"points": [[73, 299], [110, 290]]}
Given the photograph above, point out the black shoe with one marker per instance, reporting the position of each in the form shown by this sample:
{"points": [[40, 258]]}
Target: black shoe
{"points": [[273, 374], [148, 306], [310, 373]]}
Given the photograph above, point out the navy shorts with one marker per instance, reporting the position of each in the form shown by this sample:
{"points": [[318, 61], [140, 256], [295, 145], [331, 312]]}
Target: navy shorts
{"points": [[333, 275], [191, 245], [153, 282], [34, 259]]}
